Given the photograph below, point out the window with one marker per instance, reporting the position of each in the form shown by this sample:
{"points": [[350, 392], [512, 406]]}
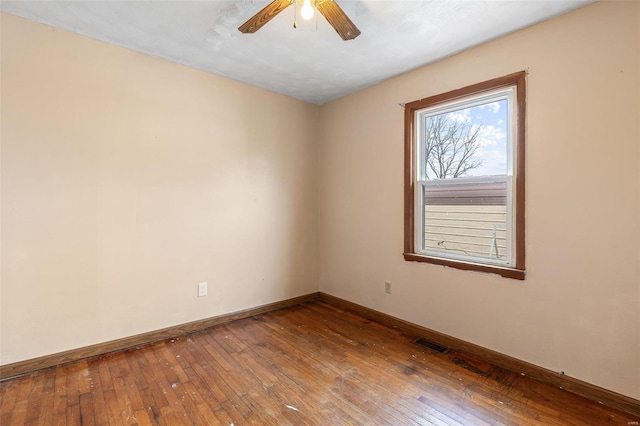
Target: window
{"points": [[464, 178]]}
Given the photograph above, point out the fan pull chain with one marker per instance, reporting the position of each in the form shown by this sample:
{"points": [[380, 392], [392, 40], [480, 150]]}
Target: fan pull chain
{"points": [[295, 13]]}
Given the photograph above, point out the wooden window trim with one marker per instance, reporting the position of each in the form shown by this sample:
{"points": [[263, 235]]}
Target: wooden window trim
{"points": [[515, 79]]}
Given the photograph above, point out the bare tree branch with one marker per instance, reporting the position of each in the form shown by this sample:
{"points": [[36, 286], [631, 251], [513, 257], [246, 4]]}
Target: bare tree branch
{"points": [[450, 147]]}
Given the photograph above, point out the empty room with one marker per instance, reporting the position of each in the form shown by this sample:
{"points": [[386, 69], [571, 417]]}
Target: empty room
{"points": [[320, 212]]}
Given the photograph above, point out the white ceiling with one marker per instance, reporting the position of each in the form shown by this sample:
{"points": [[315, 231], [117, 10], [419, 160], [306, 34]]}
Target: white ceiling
{"points": [[311, 64]]}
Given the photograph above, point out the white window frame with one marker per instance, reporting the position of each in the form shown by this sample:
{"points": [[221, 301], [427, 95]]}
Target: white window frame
{"points": [[421, 182]]}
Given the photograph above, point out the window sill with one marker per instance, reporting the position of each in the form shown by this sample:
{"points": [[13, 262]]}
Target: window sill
{"points": [[516, 274]]}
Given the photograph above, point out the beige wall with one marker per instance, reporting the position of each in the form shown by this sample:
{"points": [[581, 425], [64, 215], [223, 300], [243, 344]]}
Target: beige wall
{"points": [[579, 309], [126, 180]]}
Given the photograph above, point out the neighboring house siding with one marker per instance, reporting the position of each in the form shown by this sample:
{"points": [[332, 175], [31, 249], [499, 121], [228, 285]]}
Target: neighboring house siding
{"points": [[472, 221], [467, 229]]}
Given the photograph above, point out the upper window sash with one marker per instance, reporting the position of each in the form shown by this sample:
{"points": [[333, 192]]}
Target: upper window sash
{"points": [[507, 94]]}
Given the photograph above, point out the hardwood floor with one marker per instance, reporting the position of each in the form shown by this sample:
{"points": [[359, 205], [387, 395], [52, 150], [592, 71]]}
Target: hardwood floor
{"points": [[311, 364]]}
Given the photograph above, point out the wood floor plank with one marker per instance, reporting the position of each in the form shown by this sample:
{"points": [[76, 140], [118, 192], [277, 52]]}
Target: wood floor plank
{"points": [[311, 364], [19, 413], [34, 402], [8, 398]]}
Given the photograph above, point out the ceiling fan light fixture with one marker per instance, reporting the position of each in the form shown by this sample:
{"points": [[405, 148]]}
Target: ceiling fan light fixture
{"points": [[327, 8], [307, 10]]}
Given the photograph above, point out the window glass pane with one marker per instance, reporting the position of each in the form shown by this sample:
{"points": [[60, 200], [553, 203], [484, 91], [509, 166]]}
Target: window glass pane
{"points": [[465, 187], [469, 141], [467, 218]]}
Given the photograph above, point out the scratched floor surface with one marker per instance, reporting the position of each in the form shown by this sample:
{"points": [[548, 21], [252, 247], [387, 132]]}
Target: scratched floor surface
{"points": [[312, 364]]}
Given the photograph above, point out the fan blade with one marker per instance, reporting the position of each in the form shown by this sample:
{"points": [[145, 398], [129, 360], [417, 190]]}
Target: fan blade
{"points": [[265, 15], [338, 19]]}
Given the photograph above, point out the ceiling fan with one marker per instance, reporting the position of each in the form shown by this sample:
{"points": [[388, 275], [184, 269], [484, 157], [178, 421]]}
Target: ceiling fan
{"points": [[328, 8]]}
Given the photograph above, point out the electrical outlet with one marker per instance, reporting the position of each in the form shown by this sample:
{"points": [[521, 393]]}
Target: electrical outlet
{"points": [[387, 287], [202, 289]]}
